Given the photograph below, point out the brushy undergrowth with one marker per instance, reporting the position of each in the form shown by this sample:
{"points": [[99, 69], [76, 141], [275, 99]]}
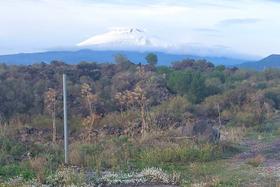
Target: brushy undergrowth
{"points": [[182, 153], [10, 150], [124, 154], [114, 154], [112, 160], [27, 161]]}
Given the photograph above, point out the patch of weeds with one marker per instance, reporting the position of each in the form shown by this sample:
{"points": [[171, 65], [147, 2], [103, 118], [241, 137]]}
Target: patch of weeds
{"points": [[66, 176], [18, 181], [233, 182], [10, 150], [266, 132], [182, 154], [231, 149], [115, 154], [219, 173], [263, 137], [267, 128], [14, 170], [237, 175]]}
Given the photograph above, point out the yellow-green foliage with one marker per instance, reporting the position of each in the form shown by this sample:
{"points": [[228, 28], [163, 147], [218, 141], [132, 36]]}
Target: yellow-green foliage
{"points": [[41, 121], [176, 106], [182, 153], [245, 118], [123, 119], [122, 153]]}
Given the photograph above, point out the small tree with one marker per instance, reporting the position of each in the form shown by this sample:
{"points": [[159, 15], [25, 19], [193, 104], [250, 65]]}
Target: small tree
{"points": [[121, 99], [89, 121], [89, 97], [152, 59], [137, 98], [122, 62], [88, 124], [50, 100], [141, 100]]}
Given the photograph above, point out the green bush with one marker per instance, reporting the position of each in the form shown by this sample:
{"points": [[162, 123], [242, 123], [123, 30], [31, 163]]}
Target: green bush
{"points": [[10, 150], [246, 118], [176, 106], [189, 83], [14, 170], [273, 95]]}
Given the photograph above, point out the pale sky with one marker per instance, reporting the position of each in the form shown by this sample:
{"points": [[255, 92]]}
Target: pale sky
{"points": [[245, 26]]}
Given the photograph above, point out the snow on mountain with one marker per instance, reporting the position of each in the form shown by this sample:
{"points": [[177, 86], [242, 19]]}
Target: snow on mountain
{"points": [[124, 39], [134, 39], [133, 43]]}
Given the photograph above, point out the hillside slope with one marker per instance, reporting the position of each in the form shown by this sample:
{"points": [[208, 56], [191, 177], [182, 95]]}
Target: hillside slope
{"points": [[272, 61], [74, 57]]}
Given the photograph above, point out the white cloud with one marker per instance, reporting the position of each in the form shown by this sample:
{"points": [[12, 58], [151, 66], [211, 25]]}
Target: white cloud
{"points": [[238, 21], [28, 25]]}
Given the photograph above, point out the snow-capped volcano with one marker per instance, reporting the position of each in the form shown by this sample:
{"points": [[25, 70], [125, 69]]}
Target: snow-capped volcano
{"points": [[124, 39], [134, 39]]}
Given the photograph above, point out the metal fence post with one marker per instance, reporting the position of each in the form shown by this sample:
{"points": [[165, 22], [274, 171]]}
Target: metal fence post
{"points": [[65, 120]]}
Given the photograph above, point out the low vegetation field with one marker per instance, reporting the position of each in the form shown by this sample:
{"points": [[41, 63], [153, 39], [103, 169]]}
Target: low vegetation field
{"points": [[191, 124]]}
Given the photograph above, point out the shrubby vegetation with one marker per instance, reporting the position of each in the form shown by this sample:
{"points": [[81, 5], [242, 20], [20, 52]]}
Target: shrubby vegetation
{"points": [[127, 117]]}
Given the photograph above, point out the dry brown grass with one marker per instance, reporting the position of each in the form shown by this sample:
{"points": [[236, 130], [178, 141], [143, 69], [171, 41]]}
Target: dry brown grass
{"points": [[74, 154], [256, 161], [38, 164], [165, 138], [234, 134], [107, 154], [11, 128]]}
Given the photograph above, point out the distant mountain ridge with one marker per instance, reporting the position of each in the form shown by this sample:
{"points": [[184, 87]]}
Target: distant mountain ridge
{"points": [[272, 61], [135, 44], [74, 57]]}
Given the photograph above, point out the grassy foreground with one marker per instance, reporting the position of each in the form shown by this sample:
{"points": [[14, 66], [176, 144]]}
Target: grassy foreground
{"points": [[156, 159]]}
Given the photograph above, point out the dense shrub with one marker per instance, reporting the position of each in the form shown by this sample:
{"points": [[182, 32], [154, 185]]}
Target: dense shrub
{"points": [[273, 94], [170, 113]]}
